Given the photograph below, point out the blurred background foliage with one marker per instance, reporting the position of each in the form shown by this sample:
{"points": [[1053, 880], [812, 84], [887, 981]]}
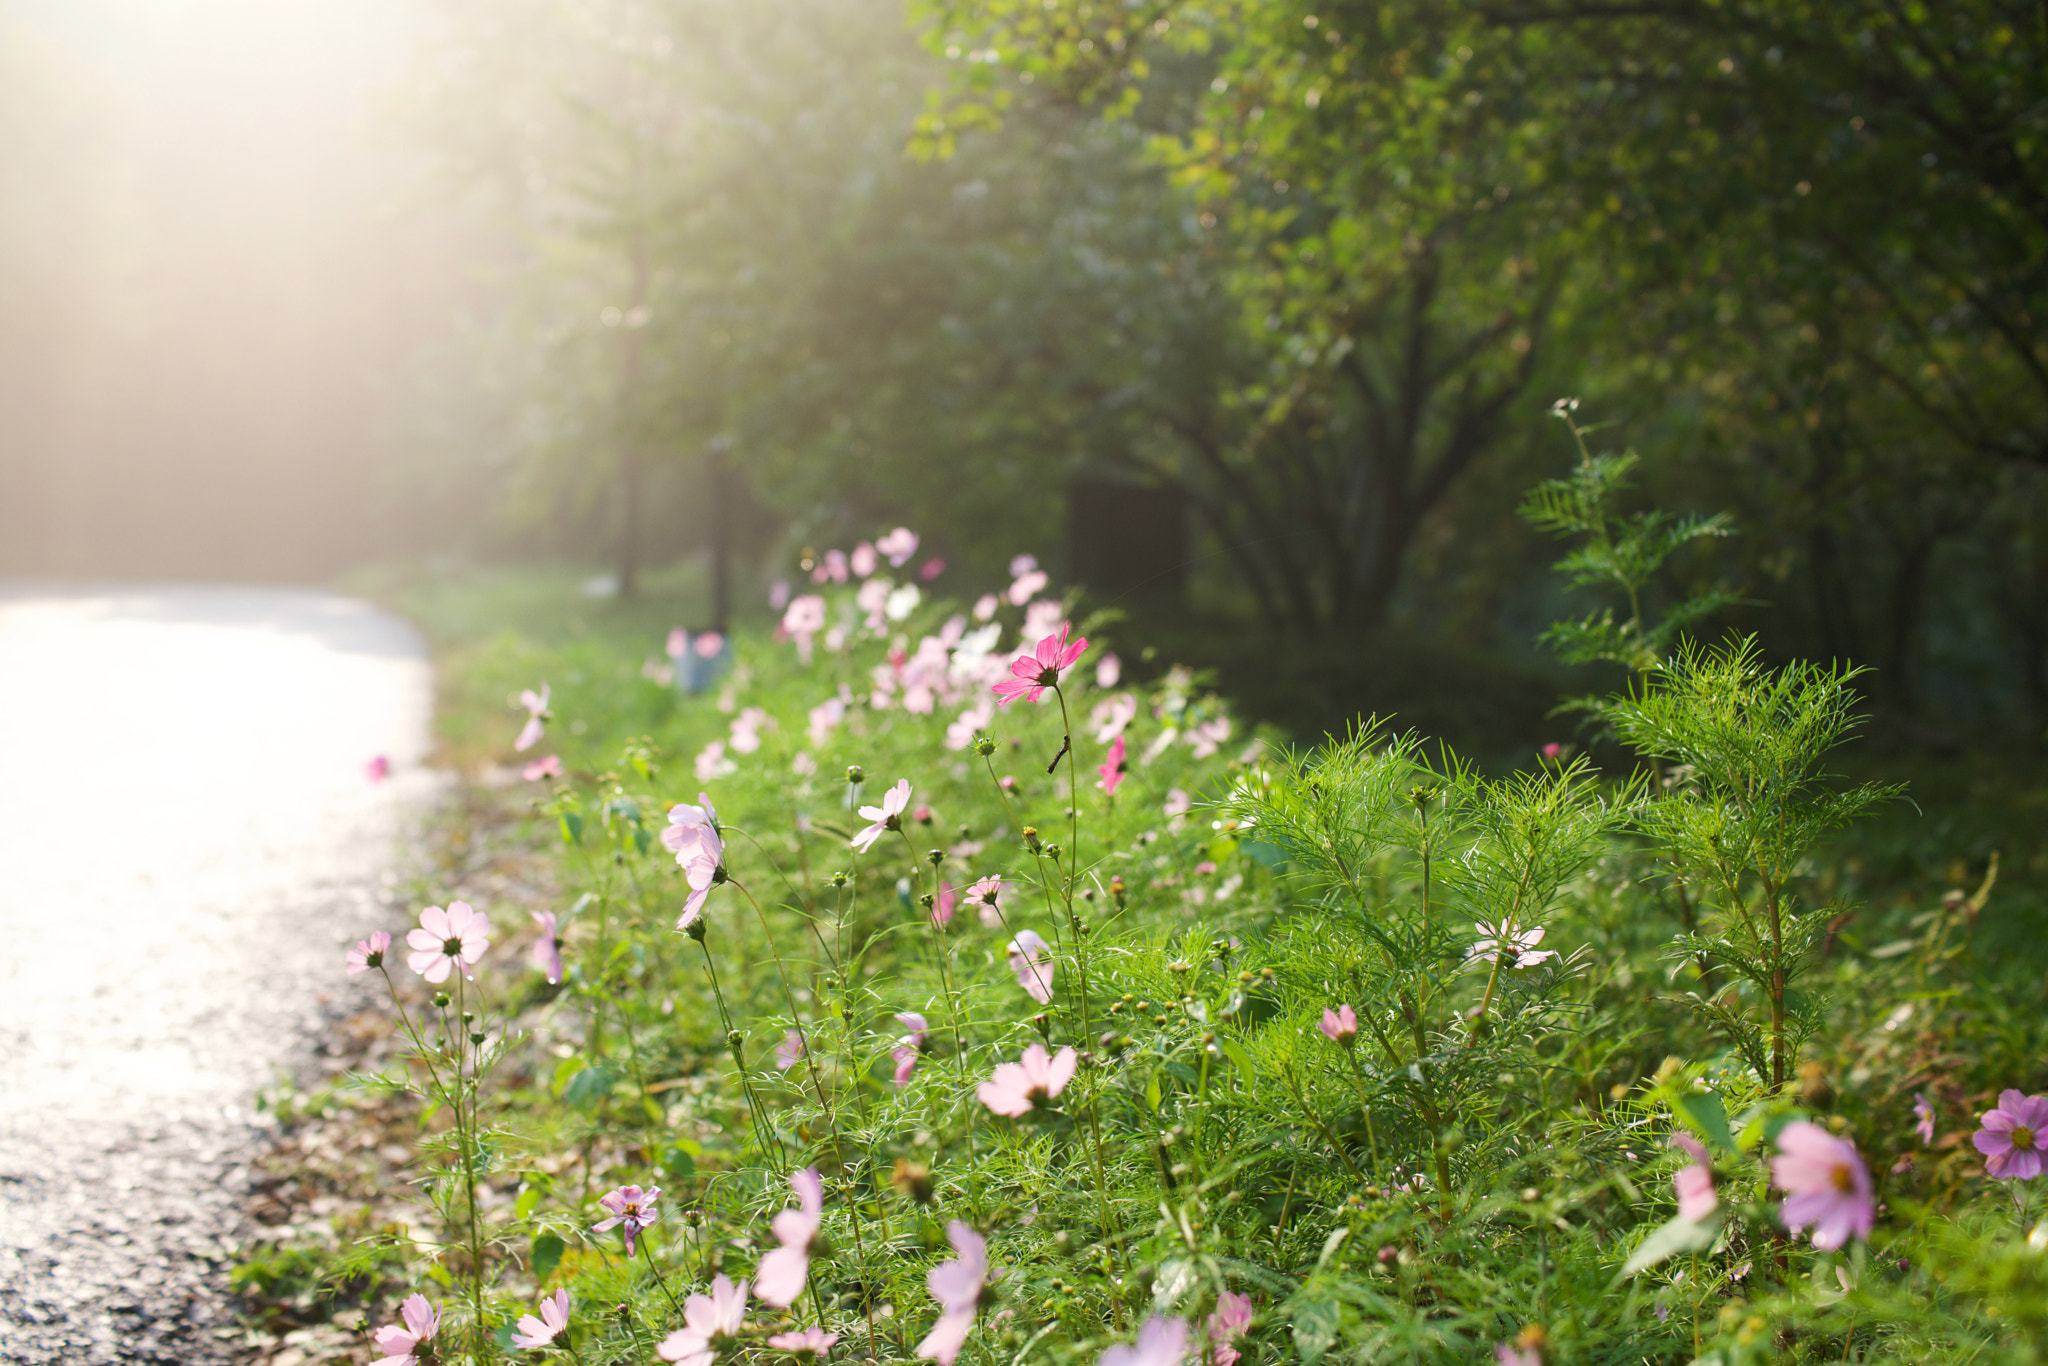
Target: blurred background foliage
{"points": [[742, 278]]}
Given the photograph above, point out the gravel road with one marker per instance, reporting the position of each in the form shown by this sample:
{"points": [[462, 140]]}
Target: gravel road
{"points": [[188, 843]]}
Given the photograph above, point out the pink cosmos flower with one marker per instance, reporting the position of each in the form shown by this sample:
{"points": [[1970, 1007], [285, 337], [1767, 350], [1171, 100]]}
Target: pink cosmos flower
{"points": [[1552, 750], [368, 953], [957, 1286], [1110, 716], [378, 769], [1031, 960], [1040, 669], [1925, 1114], [632, 1209], [1519, 949], [1020, 565], [1109, 672], [790, 1051], [1161, 1342], [1694, 1181], [944, 904], [888, 816], [910, 1047], [708, 645], [931, 569], [1340, 1025], [2012, 1136], [1038, 1076], [1508, 1354], [1026, 587], [445, 940], [710, 1322], [1233, 1317], [863, 561], [550, 767], [899, 545], [1825, 1182], [1178, 802], [535, 1333], [692, 836], [400, 1344], [1209, 736], [778, 595], [985, 606], [806, 1344], [835, 567], [804, 618], [536, 704], [784, 1270], [547, 954], [1112, 768], [987, 894], [678, 641]]}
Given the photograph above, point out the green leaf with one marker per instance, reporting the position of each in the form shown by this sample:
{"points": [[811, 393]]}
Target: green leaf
{"points": [[1152, 1092], [1235, 1051], [547, 1255], [572, 828], [588, 1088], [1316, 1324], [1704, 1113], [1680, 1235], [1265, 854]]}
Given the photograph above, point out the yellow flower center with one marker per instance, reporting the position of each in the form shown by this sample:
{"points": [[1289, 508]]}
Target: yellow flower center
{"points": [[2022, 1136], [1844, 1180]]}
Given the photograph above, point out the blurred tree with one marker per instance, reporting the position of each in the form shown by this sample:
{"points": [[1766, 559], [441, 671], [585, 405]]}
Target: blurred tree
{"points": [[730, 264], [1817, 230]]}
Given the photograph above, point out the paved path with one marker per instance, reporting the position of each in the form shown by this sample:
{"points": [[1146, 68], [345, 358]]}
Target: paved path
{"points": [[187, 845]]}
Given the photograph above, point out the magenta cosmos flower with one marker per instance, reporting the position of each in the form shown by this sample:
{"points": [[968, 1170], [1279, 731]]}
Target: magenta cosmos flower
{"points": [[632, 1209], [1041, 668], [1031, 960], [1924, 1114], [1340, 1025], [944, 904], [368, 953], [547, 954], [692, 836], [1231, 1321], [378, 769], [1161, 1342], [2012, 1136], [536, 704], [1694, 1182], [399, 1342], [535, 1333], [446, 940], [1825, 1184], [784, 1270], [957, 1286], [1015, 1088], [910, 1047], [886, 817], [805, 1344], [710, 1322], [1112, 768]]}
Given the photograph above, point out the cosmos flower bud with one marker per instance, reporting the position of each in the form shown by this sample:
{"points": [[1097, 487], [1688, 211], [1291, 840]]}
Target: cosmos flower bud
{"points": [[912, 1181], [1031, 838], [855, 775]]}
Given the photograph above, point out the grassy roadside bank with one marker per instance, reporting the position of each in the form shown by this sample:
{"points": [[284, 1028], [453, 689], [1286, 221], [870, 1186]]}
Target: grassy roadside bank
{"points": [[623, 1075]]}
